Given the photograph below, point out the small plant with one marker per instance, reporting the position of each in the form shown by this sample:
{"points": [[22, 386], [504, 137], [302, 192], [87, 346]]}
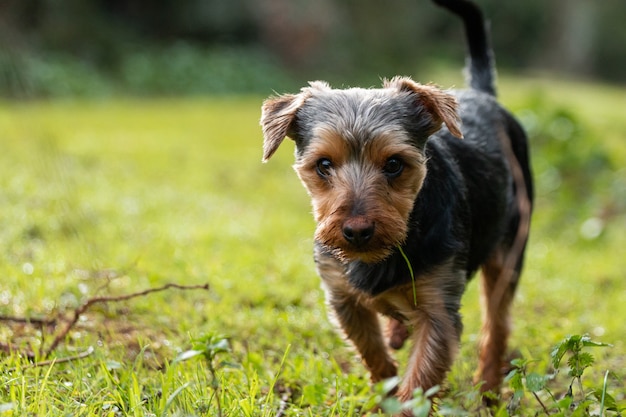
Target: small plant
{"points": [[209, 347], [576, 401], [420, 404]]}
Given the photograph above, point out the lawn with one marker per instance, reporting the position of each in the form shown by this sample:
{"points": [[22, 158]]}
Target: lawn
{"points": [[109, 198]]}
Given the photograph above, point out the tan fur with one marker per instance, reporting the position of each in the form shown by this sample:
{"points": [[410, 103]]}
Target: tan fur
{"points": [[333, 200], [496, 327], [357, 191], [440, 104], [433, 333]]}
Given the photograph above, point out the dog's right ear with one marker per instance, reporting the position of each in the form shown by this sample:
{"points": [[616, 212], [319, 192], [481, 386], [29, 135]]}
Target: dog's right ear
{"points": [[277, 116]]}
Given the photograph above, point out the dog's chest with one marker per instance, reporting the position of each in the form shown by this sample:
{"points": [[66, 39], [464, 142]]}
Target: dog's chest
{"points": [[397, 303]]}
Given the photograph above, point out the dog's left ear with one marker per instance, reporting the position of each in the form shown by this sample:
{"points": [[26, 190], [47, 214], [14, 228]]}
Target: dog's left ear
{"points": [[441, 105]]}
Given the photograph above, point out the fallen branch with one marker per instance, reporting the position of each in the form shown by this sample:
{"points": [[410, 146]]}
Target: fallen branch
{"points": [[29, 320], [71, 322], [9, 348], [96, 300], [79, 356]]}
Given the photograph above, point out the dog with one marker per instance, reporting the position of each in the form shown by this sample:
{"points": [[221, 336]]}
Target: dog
{"points": [[413, 190]]}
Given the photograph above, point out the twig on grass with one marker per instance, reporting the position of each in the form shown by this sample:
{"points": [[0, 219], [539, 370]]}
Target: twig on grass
{"points": [[545, 409], [29, 320], [96, 300], [75, 316], [90, 350], [9, 348]]}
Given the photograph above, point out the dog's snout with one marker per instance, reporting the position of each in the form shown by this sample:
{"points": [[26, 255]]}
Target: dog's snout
{"points": [[358, 231]]}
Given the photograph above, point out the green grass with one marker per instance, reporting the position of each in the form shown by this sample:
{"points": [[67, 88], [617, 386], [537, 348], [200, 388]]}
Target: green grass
{"points": [[116, 196]]}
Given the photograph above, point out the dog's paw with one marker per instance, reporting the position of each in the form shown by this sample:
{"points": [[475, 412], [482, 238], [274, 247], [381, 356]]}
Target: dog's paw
{"points": [[397, 333]]}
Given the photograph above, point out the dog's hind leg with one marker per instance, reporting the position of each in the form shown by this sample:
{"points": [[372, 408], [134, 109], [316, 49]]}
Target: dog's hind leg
{"points": [[498, 285], [397, 333]]}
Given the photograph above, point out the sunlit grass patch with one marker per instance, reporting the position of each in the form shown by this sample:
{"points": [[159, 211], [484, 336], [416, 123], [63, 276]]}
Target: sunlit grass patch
{"points": [[116, 196]]}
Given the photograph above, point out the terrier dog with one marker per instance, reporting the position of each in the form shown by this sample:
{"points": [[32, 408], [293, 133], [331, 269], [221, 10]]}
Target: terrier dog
{"points": [[413, 190]]}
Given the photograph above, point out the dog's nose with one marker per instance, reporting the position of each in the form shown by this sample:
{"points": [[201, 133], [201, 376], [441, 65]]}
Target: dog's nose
{"points": [[358, 231]]}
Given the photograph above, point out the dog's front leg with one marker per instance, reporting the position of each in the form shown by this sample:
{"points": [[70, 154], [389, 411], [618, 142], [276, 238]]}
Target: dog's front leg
{"points": [[432, 312], [359, 323], [434, 346], [361, 326]]}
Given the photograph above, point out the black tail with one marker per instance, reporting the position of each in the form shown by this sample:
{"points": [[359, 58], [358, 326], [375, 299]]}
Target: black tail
{"points": [[481, 62]]}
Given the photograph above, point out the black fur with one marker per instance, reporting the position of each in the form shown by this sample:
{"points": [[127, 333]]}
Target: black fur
{"points": [[467, 203], [481, 62], [467, 213]]}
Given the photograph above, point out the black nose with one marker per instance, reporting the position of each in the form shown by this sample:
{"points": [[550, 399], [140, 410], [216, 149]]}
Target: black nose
{"points": [[358, 231]]}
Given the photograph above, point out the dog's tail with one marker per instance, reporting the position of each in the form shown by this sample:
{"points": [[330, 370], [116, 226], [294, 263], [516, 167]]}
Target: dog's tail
{"points": [[480, 60]]}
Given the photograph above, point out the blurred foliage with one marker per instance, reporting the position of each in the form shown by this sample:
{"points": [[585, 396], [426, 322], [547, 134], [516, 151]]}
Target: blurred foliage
{"points": [[95, 47], [578, 158], [107, 197], [167, 70]]}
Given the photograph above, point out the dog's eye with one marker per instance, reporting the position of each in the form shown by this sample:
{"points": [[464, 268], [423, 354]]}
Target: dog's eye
{"points": [[393, 167], [324, 167]]}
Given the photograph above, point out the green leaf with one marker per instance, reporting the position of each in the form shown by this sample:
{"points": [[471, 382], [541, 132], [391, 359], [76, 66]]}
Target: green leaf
{"points": [[113, 365], [188, 354], [565, 403], [581, 409], [535, 382], [557, 354], [219, 346], [431, 391], [421, 409], [609, 401], [511, 374], [519, 363], [229, 365], [448, 410], [387, 385], [391, 405], [578, 363], [586, 341], [515, 382]]}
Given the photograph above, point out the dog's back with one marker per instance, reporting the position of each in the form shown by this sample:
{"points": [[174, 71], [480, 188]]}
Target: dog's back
{"points": [[499, 194], [489, 132]]}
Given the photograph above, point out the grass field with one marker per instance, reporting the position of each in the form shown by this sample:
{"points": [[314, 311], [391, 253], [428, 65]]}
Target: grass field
{"points": [[107, 198]]}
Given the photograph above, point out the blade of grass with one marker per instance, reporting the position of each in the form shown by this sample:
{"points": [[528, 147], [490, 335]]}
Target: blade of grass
{"points": [[408, 264]]}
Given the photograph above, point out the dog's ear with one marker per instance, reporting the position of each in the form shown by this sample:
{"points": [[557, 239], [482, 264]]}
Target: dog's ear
{"points": [[441, 105], [277, 115]]}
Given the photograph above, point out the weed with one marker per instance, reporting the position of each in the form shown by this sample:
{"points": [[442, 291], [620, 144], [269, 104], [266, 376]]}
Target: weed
{"points": [[209, 347], [577, 401]]}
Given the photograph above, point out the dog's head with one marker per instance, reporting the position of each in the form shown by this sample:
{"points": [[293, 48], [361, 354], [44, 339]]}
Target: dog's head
{"points": [[359, 153]]}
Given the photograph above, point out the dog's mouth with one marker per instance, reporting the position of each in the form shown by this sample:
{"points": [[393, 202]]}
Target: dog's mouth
{"points": [[359, 238], [368, 254], [370, 257]]}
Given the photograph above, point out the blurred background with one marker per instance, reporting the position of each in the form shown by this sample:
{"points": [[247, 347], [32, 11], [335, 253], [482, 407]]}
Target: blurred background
{"points": [[51, 48]]}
